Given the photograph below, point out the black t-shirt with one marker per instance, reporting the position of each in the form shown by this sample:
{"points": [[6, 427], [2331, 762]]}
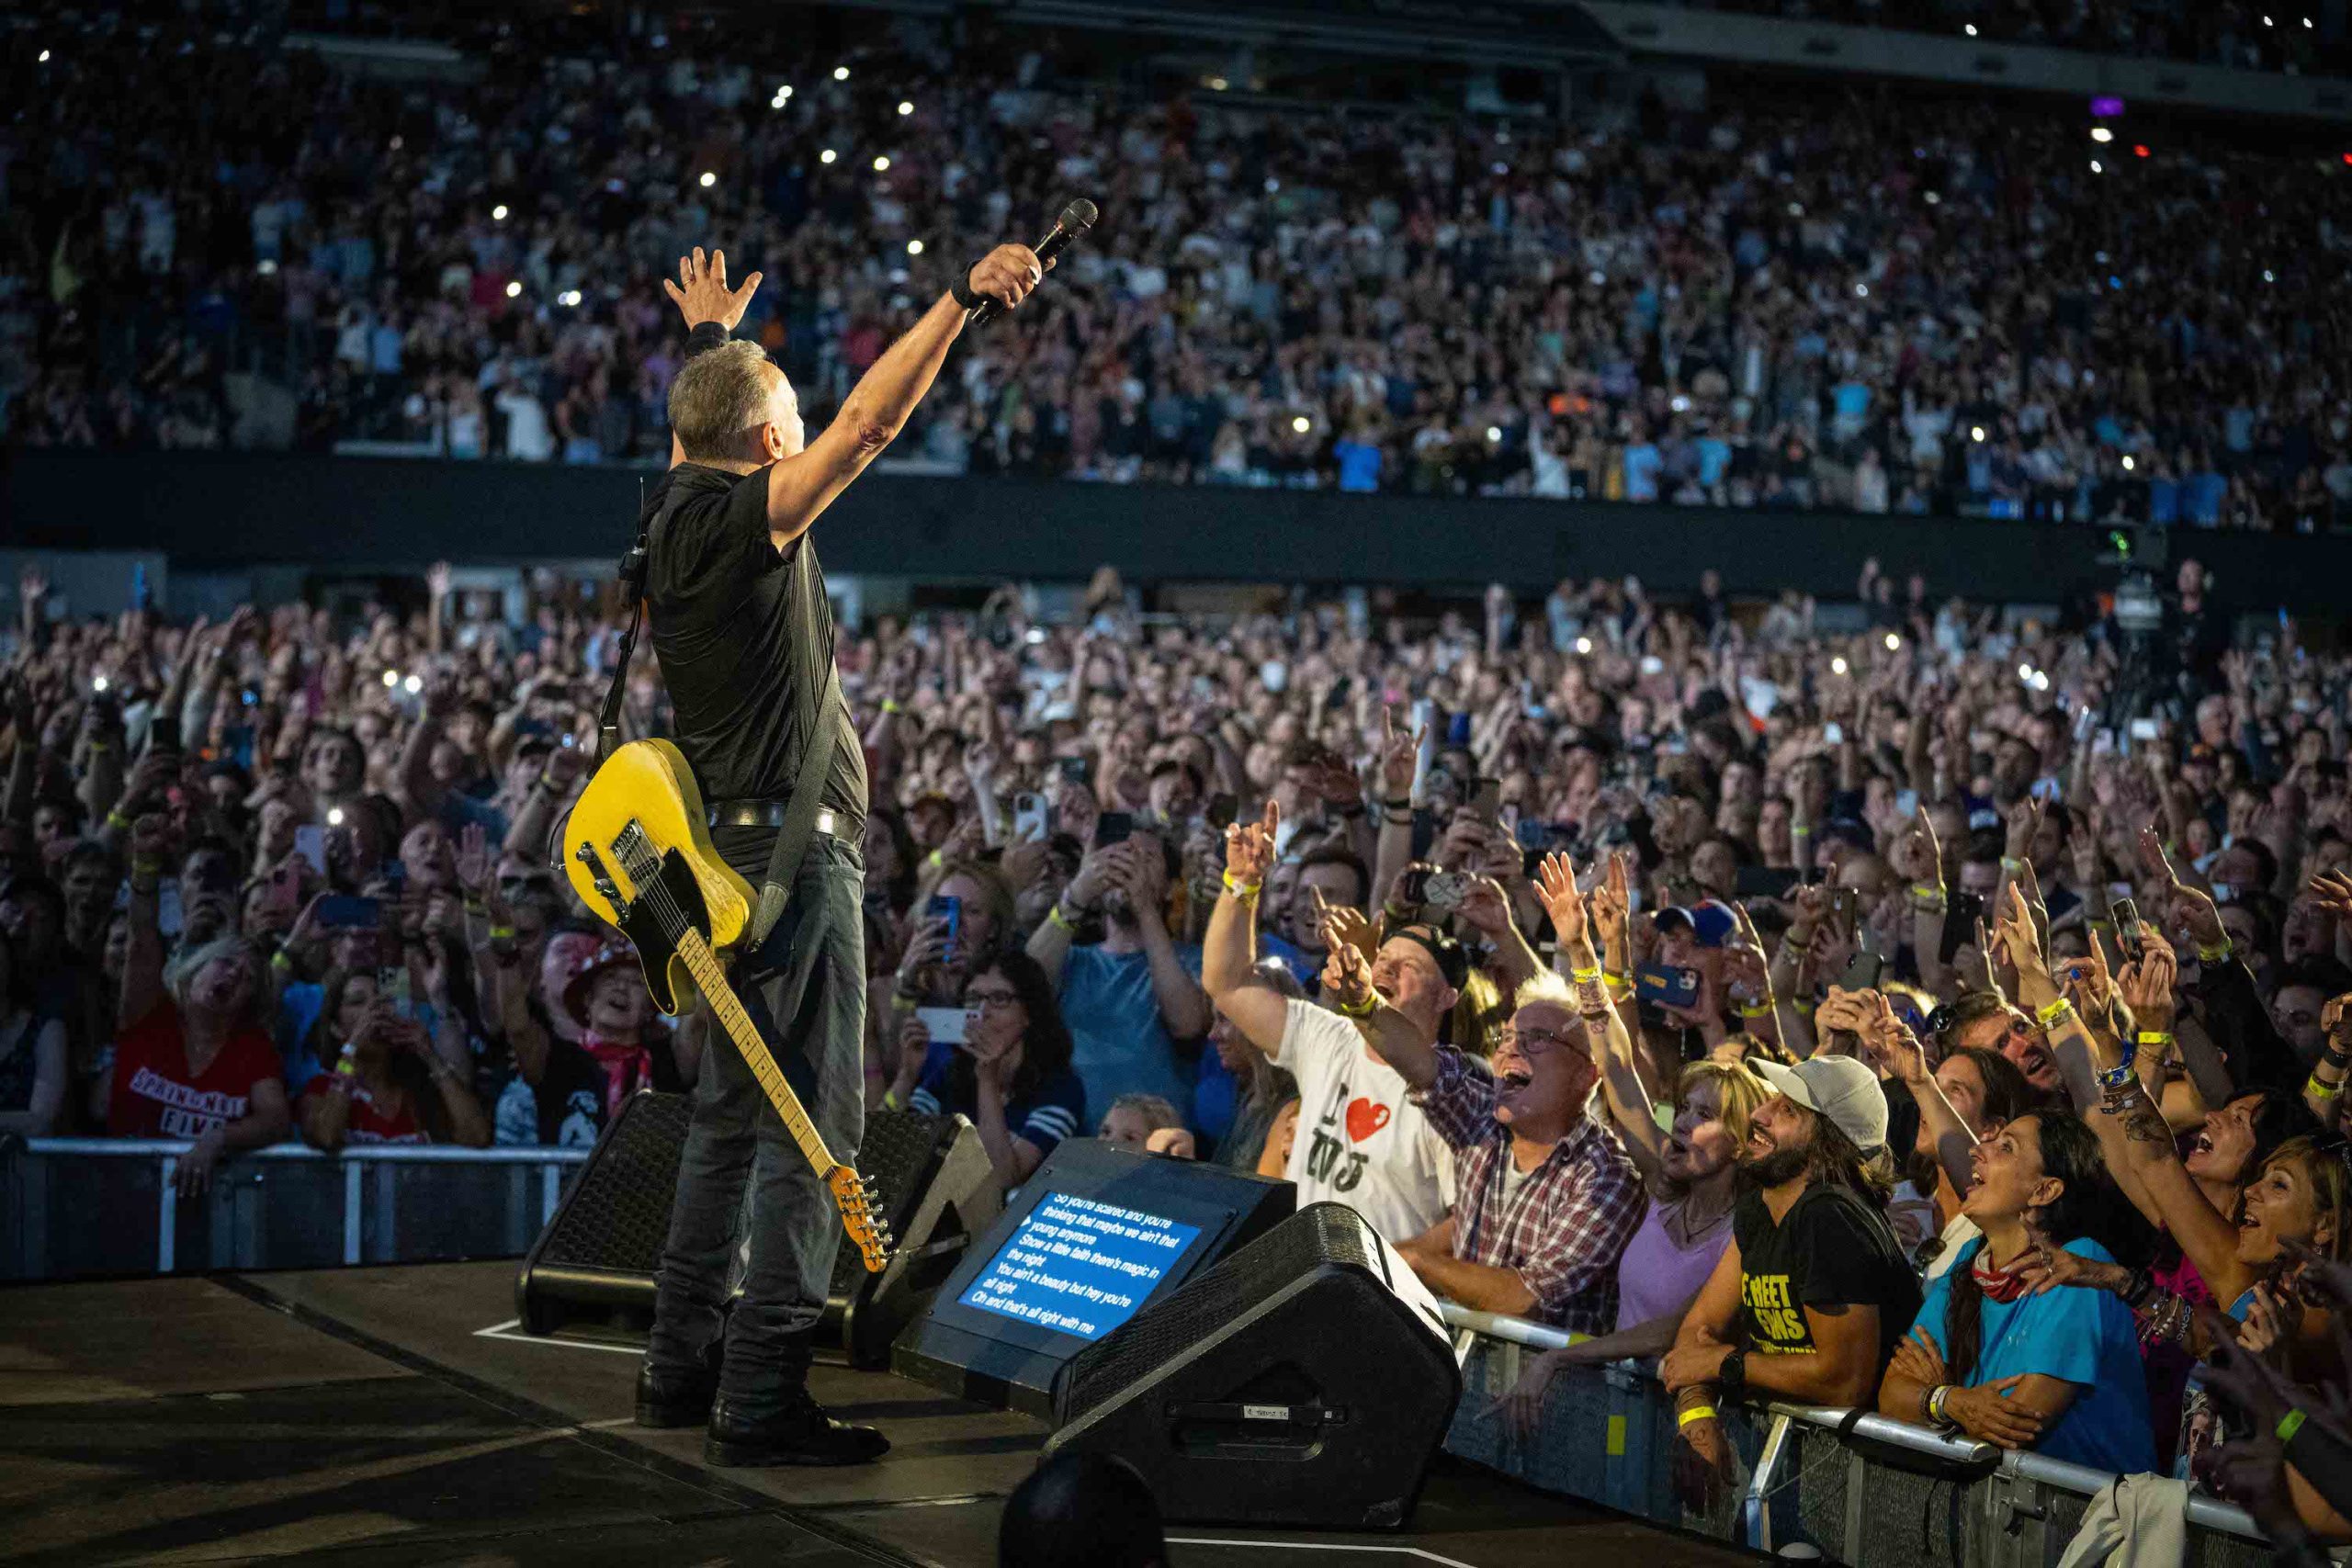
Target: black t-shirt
{"points": [[744, 635], [1832, 1248]]}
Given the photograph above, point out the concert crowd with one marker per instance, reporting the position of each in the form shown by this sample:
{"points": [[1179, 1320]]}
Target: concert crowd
{"points": [[1845, 298], [1872, 982], [2243, 34]]}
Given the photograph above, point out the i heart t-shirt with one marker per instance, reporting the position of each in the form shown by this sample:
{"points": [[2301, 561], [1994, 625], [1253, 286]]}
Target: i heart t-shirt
{"points": [[1359, 1141]]}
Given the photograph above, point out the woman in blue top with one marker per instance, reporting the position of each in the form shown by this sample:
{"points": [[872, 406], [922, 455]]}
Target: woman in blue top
{"points": [[1011, 1074], [2059, 1371]]}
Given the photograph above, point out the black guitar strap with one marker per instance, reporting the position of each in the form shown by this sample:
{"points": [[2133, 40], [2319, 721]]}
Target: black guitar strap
{"points": [[800, 814]]}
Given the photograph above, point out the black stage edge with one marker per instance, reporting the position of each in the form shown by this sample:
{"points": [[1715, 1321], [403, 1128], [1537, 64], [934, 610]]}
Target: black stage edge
{"points": [[389, 1417]]}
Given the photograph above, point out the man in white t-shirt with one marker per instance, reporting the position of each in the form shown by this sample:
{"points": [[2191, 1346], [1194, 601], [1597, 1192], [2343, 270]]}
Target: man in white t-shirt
{"points": [[1361, 1140]]}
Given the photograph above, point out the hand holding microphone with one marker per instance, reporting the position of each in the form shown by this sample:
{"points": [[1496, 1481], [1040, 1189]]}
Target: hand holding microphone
{"points": [[1001, 279]]}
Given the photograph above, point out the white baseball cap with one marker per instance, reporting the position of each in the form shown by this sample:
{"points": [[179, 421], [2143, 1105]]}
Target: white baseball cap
{"points": [[1839, 1088]]}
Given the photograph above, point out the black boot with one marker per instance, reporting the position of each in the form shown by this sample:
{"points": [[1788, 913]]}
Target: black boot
{"points": [[801, 1433], [668, 1397]]}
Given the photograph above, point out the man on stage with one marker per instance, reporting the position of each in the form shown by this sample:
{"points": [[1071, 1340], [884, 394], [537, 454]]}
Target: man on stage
{"points": [[745, 639]]}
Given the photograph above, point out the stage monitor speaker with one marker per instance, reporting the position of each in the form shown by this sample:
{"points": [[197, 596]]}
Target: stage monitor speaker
{"points": [[596, 1259], [940, 1192], [1096, 1233], [1303, 1381]]}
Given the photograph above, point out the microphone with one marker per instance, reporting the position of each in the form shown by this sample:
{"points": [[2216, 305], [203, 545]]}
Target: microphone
{"points": [[1076, 220]]}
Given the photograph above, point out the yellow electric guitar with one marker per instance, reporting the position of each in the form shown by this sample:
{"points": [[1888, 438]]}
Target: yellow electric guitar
{"points": [[640, 855]]}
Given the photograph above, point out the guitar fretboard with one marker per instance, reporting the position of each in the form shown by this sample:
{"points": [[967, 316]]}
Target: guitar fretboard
{"points": [[704, 965]]}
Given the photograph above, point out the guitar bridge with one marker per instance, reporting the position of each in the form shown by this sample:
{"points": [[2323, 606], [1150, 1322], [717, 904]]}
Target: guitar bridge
{"points": [[637, 853]]}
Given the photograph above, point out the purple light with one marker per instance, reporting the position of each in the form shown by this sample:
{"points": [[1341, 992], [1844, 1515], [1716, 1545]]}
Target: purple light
{"points": [[2107, 108]]}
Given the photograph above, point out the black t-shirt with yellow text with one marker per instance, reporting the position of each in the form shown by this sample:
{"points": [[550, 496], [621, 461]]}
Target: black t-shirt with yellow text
{"points": [[1832, 1248]]}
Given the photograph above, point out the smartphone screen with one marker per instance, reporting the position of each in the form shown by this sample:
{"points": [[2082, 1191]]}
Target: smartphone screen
{"points": [[1113, 828], [1487, 799]]}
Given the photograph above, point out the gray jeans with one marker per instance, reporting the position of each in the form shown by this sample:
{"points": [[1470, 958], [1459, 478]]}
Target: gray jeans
{"points": [[805, 990]]}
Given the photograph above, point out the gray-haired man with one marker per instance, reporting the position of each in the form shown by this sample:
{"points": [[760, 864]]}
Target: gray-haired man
{"points": [[745, 639]]}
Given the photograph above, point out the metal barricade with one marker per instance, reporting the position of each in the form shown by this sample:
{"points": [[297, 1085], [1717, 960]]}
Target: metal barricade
{"points": [[1901, 1496], [79, 1207]]}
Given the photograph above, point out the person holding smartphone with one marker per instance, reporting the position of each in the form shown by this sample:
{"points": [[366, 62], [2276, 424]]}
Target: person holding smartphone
{"points": [[1009, 1073]]}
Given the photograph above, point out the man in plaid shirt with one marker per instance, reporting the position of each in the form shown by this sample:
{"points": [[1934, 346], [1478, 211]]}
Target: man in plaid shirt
{"points": [[1546, 1196]]}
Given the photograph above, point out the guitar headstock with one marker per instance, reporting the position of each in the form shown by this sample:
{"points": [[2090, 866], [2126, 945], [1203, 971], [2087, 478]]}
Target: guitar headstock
{"points": [[862, 1216]]}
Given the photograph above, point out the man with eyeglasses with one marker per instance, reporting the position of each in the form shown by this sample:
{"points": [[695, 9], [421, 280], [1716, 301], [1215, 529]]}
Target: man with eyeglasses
{"points": [[1361, 1139], [1545, 1197]]}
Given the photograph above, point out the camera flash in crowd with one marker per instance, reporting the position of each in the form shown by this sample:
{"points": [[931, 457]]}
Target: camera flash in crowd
{"points": [[1301, 423], [1976, 433], [514, 290], [98, 683], [1892, 642], [2101, 134], [826, 156], [391, 678], [2097, 167], [840, 72], [2128, 463], [1837, 665], [708, 179], [44, 57], [334, 816], [569, 297], [1970, 29], [498, 213], [881, 161], [412, 685], [905, 107], [914, 247], [1584, 645], [1494, 432]]}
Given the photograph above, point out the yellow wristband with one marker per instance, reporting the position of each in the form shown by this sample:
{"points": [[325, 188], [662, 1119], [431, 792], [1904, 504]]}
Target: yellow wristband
{"points": [[1585, 976], [2151, 1037], [1695, 1415], [2050, 1015], [1361, 1010], [1244, 890], [118, 821], [2319, 1090], [1054, 916], [1760, 1009], [2289, 1425]]}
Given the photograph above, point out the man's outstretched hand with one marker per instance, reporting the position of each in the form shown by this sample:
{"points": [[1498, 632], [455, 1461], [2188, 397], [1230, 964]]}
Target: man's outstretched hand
{"points": [[1007, 274], [701, 292]]}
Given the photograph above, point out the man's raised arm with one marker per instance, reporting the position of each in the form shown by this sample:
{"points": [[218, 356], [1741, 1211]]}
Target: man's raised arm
{"points": [[804, 483]]}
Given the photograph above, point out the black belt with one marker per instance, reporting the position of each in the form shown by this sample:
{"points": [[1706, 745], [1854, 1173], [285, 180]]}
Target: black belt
{"points": [[767, 814]]}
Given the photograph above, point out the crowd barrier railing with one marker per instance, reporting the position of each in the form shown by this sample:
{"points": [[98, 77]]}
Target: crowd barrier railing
{"points": [[80, 1207], [1812, 1482]]}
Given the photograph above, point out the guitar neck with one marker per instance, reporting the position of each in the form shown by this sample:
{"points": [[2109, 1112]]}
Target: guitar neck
{"points": [[712, 980]]}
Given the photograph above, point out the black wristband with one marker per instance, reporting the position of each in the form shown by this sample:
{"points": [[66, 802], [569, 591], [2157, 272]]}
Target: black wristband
{"points": [[706, 336], [962, 290]]}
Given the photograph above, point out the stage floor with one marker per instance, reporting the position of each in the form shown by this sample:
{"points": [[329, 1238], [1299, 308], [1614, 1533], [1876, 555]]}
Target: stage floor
{"points": [[395, 1415]]}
